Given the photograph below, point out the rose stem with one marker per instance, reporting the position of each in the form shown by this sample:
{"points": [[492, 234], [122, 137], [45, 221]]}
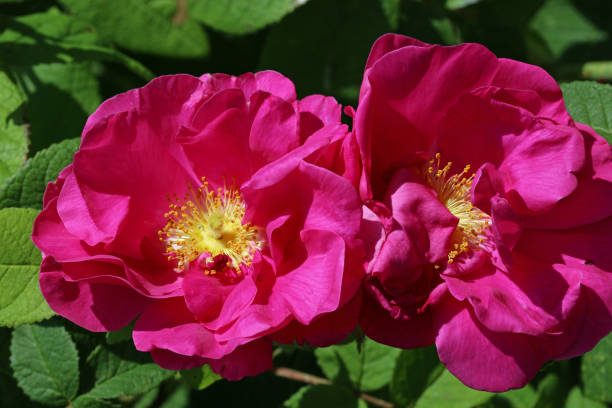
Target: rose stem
{"points": [[296, 375]]}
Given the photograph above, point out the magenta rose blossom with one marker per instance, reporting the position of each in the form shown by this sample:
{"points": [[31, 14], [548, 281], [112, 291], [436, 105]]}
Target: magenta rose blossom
{"points": [[488, 225], [213, 211]]}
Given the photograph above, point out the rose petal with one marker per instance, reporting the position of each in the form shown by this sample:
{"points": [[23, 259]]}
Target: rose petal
{"points": [[482, 359], [93, 305]]}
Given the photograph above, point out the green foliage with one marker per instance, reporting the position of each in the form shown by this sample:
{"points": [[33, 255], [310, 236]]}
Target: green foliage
{"points": [[415, 370], [13, 140], [317, 396], [392, 10], [458, 4], [523, 397], [161, 27], [448, 392], [45, 362], [148, 399], [60, 90], [551, 391], [49, 86], [367, 369], [121, 335], [590, 103], [562, 26], [200, 377], [26, 188], [20, 297], [10, 394], [52, 36], [329, 59], [597, 371], [121, 370], [179, 398], [575, 399], [240, 16], [54, 60]]}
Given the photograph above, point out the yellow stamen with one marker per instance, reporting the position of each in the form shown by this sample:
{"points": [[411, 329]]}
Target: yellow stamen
{"points": [[454, 193], [209, 221]]}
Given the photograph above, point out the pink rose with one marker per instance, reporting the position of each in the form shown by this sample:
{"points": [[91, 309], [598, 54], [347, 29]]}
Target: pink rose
{"points": [[212, 211], [488, 225]]}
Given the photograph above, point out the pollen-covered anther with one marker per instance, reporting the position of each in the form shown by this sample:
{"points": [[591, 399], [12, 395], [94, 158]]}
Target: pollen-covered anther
{"points": [[454, 193], [209, 221]]}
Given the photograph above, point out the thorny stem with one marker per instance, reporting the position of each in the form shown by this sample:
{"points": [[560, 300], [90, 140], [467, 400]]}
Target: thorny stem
{"points": [[296, 375]]}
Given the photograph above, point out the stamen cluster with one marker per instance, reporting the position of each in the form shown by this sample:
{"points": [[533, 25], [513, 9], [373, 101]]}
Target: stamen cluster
{"points": [[209, 221], [454, 193]]}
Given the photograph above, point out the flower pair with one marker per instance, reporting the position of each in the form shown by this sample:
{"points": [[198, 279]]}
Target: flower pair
{"points": [[464, 208]]}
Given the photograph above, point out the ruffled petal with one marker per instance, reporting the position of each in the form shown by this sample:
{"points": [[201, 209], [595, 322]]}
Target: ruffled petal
{"points": [[271, 82], [518, 75], [96, 306], [416, 208], [48, 226], [270, 114], [532, 299], [377, 324], [325, 330], [168, 325], [536, 160], [480, 358], [595, 321], [317, 111], [594, 190], [156, 169], [250, 359], [173, 361]]}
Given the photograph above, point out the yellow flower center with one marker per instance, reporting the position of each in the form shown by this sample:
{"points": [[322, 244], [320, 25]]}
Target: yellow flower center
{"points": [[454, 193], [209, 221]]}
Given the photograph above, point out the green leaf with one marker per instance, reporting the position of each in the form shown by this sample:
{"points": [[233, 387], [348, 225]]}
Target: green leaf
{"points": [[523, 397], [60, 90], [597, 371], [458, 4], [200, 377], [575, 399], [414, 371], [120, 335], [121, 370], [60, 97], [45, 362], [368, 369], [392, 10], [318, 396], [448, 392], [13, 139], [562, 26], [20, 298], [590, 103], [26, 188], [178, 399], [240, 16], [52, 36], [10, 394], [330, 58], [551, 391], [148, 399], [160, 27], [85, 401]]}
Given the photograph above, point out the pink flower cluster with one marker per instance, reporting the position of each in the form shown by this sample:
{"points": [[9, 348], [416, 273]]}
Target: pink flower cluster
{"points": [[465, 208]]}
